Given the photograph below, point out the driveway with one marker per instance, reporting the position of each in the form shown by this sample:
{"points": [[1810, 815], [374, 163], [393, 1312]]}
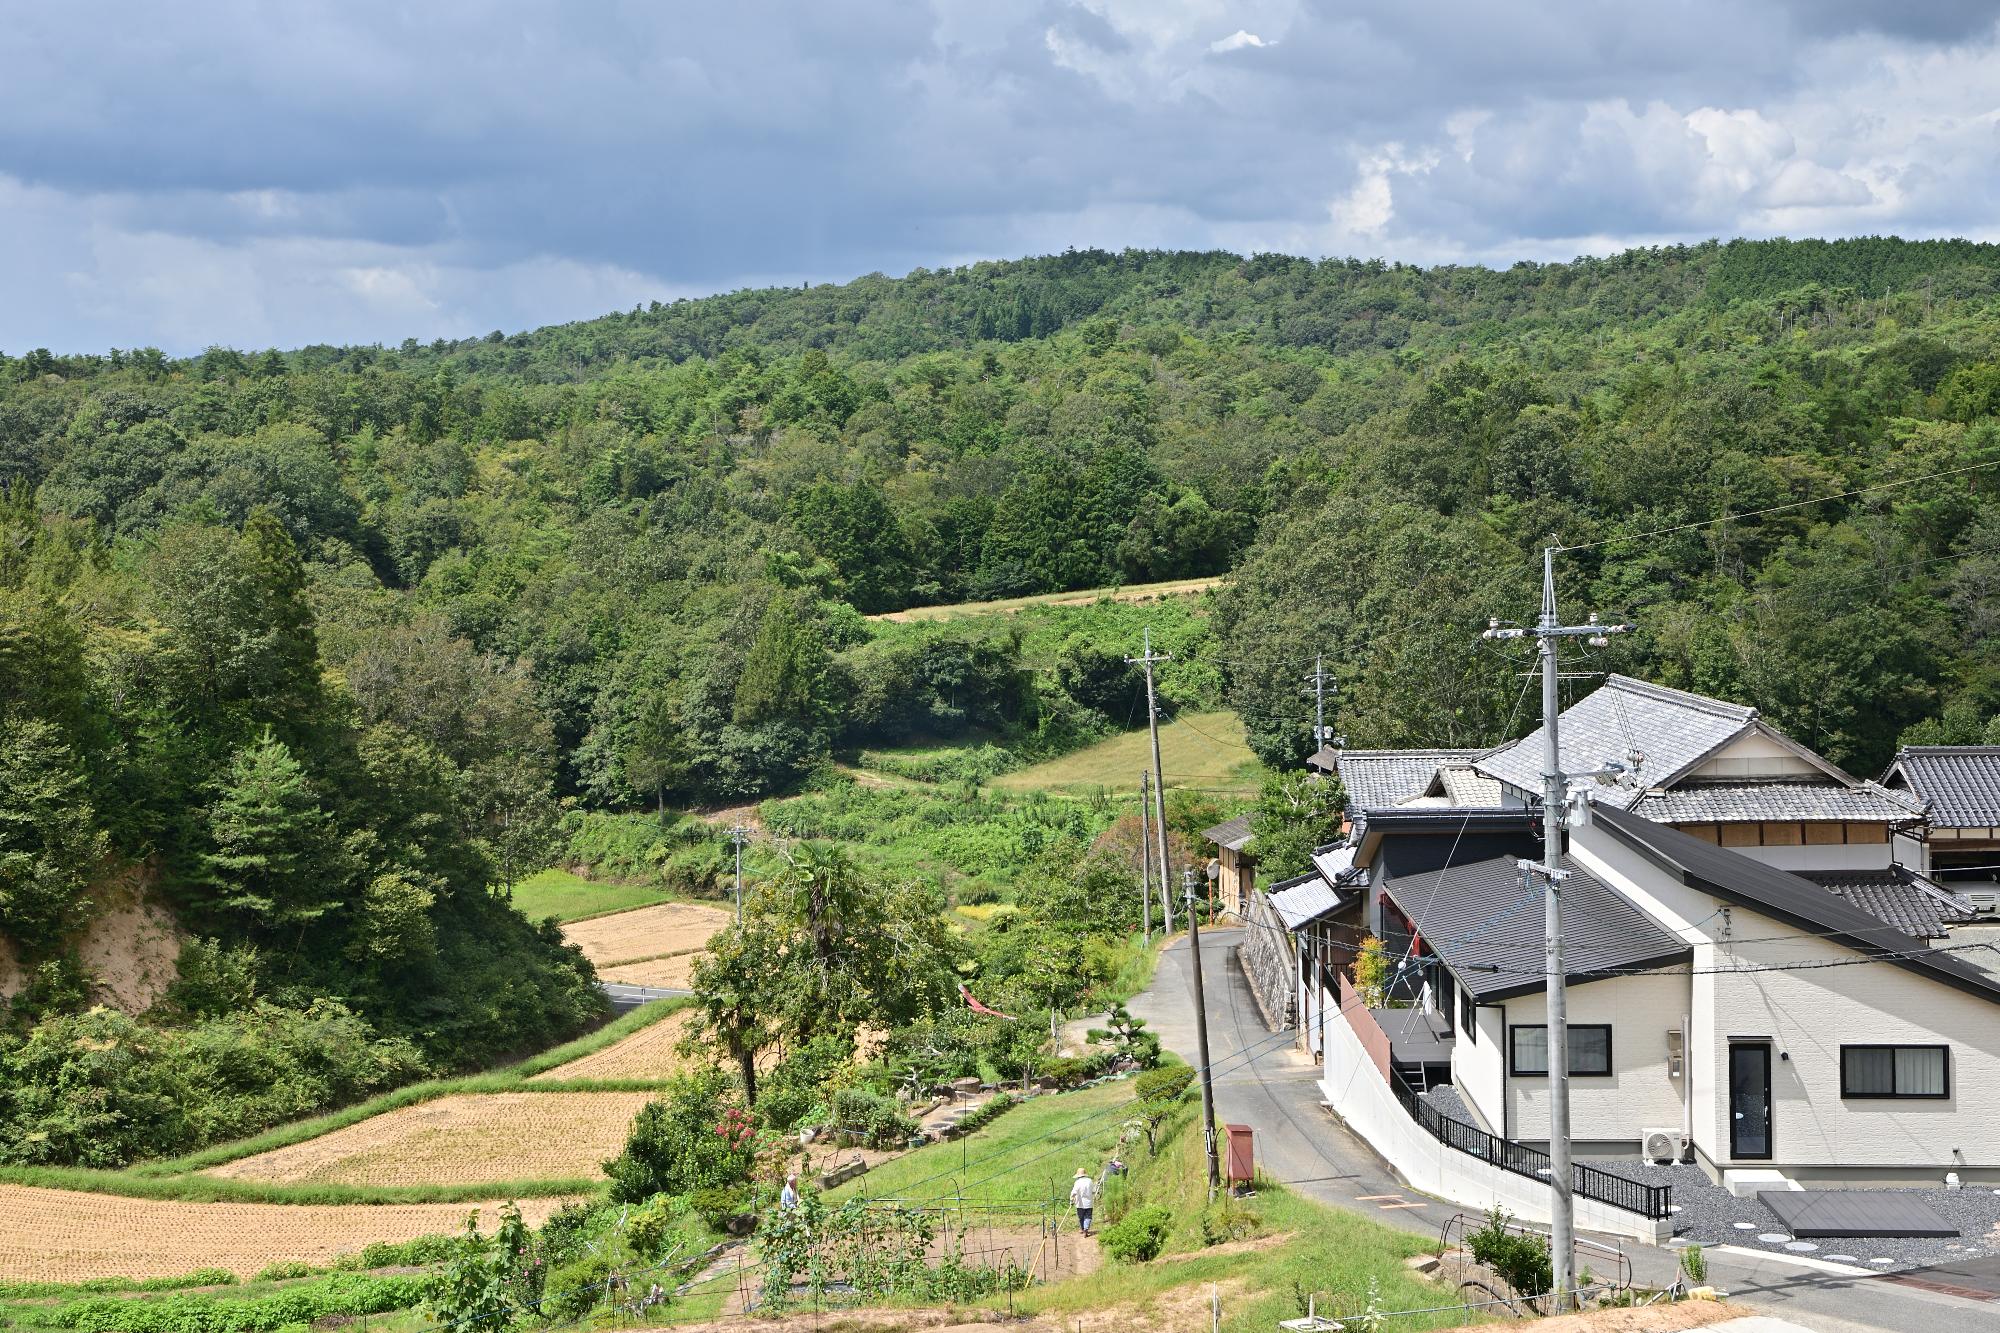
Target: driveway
{"points": [[1262, 1081]]}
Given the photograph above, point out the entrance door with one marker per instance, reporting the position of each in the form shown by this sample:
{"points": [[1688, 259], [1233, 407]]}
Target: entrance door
{"points": [[1750, 1102]]}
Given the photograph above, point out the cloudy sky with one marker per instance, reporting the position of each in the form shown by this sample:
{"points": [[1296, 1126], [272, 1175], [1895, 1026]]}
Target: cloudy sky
{"points": [[260, 174]]}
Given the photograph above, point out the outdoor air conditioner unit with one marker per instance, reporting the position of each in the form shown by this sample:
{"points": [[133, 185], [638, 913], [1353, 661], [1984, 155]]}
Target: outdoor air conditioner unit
{"points": [[1664, 1145]]}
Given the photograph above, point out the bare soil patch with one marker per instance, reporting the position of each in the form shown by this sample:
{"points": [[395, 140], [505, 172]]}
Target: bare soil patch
{"points": [[67, 1236], [132, 946], [470, 1138], [1643, 1319], [658, 933], [648, 1053]]}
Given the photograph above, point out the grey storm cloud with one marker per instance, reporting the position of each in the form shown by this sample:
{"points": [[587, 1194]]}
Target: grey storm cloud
{"points": [[254, 174]]}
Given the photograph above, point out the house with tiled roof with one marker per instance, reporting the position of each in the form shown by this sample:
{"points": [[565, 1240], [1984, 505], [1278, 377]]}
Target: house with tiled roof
{"points": [[1958, 787], [1716, 771]]}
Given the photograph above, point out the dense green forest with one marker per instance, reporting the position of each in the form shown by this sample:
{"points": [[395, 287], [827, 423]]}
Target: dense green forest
{"points": [[318, 642]]}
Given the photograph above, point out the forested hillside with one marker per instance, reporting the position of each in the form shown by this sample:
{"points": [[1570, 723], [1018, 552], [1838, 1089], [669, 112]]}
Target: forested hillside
{"points": [[315, 642]]}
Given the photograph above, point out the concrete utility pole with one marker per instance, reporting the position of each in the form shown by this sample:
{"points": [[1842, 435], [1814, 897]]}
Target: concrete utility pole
{"points": [[1201, 1037], [1159, 778], [1555, 800], [739, 835], [1321, 732], [1146, 853]]}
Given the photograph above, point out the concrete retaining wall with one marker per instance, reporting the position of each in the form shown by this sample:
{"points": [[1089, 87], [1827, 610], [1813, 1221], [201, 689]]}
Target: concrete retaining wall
{"points": [[1270, 963], [1357, 1092]]}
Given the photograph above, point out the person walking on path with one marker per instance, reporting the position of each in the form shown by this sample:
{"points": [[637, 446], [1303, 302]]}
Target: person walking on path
{"points": [[1083, 1194]]}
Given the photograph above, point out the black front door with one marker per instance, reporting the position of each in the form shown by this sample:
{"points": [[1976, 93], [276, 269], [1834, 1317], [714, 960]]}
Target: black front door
{"points": [[1750, 1102]]}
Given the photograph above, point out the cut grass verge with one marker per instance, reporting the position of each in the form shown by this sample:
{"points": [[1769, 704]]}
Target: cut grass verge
{"points": [[568, 897]]}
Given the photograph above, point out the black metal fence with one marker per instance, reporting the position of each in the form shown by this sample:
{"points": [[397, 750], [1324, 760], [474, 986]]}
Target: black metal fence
{"points": [[1650, 1201]]}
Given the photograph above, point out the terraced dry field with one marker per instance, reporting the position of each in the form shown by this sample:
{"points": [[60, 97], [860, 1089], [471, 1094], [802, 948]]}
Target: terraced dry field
{"points": [[648, 1053], [649, 946], [466, 1139], [67, 1236]]}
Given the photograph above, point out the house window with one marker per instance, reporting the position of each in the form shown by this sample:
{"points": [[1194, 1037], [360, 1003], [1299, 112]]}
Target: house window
{"points": [[1468, 1016], [1589, 1050], [1895, 1071]]}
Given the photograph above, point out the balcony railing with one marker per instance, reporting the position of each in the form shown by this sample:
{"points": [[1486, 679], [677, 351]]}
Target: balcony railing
{"points": [[1649, 1201]]}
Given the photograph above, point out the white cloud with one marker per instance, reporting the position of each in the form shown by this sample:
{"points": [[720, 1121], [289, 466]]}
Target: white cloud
{"points": [[1237, 41]]}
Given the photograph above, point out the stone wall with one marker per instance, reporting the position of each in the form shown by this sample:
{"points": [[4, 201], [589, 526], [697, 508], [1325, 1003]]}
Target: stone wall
{"points": [[1269, 963]]}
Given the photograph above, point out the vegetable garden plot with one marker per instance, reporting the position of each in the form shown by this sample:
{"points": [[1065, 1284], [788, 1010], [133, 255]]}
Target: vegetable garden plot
{"points": [[468, 1138], [67, 1236]]}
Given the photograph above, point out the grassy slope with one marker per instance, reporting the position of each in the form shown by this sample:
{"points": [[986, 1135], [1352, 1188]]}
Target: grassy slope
{"points": [[1131, 592], [568, 897], [1202, 750], [1314, 1249], [1022, 1160]]}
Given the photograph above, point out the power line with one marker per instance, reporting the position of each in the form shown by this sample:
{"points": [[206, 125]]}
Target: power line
{"points": [[1776, 509]]}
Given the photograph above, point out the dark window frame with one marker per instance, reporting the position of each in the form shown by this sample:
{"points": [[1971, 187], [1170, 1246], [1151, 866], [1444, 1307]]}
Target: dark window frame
{"points": [[1468, 1015], [1514, 1069], [1847, 1093]]}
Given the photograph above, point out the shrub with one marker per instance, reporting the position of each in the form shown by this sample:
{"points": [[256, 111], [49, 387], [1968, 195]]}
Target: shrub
{"points": [[872, 1119], [345, 1294], [1224, 1221], [573, 1289], [1695, 1264], [719, 1205], [691, 1137], [1520, 1258], [1139, 1235], [283, 1270]]}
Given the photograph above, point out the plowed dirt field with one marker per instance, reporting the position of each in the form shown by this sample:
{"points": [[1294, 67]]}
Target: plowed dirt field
{"points": [[470, 1138], [67, 1236]]}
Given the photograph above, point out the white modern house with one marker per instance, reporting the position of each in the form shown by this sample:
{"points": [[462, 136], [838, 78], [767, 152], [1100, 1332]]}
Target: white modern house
{"points": [[1721, 1010]]}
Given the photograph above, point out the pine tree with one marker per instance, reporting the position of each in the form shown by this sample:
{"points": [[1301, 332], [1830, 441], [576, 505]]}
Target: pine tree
{"points": [[272, 857]]}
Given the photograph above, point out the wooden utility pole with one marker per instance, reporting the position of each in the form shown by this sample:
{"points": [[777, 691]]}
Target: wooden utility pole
{"points": [[1147, 658]]}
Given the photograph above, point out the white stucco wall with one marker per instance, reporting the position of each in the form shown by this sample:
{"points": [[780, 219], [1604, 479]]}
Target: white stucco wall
{"points": [[1477, 1067], [1755, 756], [1639, 1095], [1808, 1015], [1358, 1094], [1824, 856]]}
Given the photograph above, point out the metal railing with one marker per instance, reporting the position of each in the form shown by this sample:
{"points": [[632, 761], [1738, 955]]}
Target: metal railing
{"points": [[1590, 1182]]}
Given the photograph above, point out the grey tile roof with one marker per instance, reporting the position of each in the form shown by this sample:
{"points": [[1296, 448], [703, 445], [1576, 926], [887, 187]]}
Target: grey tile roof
{"points": [[1467, 786], [1231, 833], [1809, 802], [1899, 897], [1379, 779], [1961, 782], [1671, 729], [1799, 902], [1334, 862], [1489, 931], [1306, 897]]}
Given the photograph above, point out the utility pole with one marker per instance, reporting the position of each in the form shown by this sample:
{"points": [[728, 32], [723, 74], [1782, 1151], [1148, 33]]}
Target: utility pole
{"points": [[1555, 800], [1146, 853], [1321, 732], [739, 835], [1201, 1037], [1159, 778]]}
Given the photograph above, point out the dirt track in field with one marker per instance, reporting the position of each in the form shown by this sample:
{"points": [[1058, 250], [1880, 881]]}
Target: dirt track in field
{"points": [[648, 1053], [466, 1139], [67, 1236]]}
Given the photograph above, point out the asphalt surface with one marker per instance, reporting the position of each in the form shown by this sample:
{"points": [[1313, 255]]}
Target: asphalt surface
{"points": [[625, 997], [1262, 1081]]}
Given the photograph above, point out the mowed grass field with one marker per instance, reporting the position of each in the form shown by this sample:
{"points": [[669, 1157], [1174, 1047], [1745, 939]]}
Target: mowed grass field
{"points": [[1199, 750], [568, 897], [1131, 592], [49, 1235], [467, 1139], [1024, 1159]]}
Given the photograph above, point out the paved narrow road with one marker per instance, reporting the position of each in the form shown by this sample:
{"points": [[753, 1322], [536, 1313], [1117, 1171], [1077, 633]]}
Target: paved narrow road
{"points": [[1263, 1082]]}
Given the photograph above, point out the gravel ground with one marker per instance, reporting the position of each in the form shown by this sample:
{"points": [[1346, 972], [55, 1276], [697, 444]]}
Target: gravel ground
{"points": [[1708, 1214], [1711, 1215]]}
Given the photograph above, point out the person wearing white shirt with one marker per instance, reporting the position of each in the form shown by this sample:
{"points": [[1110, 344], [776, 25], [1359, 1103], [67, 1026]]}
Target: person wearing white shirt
{"points": [[1083, 1195]]}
